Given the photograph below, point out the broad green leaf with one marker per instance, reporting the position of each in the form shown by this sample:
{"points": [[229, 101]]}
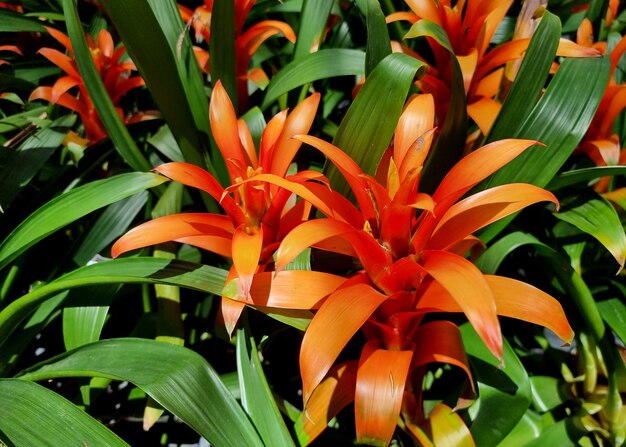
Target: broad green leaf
{"points": [[613, 311], [450, 143], [111, 224], [256, 395], [597, 217], [155, 39], [559, 121], [498, 387], [111, 120], [548, 392], [530, 79], [125, 270], [19, 120], [367, 128], [18, 167], [494, 255], [166, 144], [313, 20], [378, 43], [222, 48], [85, 313], [32, 415], [564, 433], [323, 64], [71, 206], [570, 178], [13, 22], [527, 429], [185, 384]]}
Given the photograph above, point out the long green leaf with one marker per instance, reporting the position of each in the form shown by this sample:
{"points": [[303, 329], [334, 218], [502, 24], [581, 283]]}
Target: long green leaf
{"points": [[498, 388], [32, 415], [82, 323], [530, 79], [566, 432], [613, 311], [71, 206], [494, 255], [570, 178], [559, 121], [185, 384], [112, 122], [367, 128], [312, 67], [222, 47], [378, 42], [313, 20], [151, 32], [451, 141], [256, 395], [597, 217], [13, 22], [126, 270]]}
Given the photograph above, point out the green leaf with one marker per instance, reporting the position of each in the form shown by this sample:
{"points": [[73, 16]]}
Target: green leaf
{"points": [[256, 395], [58, 421], [18, 167], [71, 206], [312, 67], [111, 224], [125, 270], [498, 388], [111, 120], [494, 255], [613, 311], [313, 20], [152, 32], [564, 433], [597, 217], [530, 79], [20, 120], [222, 48], [367, 128], [527, 429], [378, 42], [559, 121], [185, 384], [82, 323], [573, 177], [548, 392], [451, 141], [13, 22]]}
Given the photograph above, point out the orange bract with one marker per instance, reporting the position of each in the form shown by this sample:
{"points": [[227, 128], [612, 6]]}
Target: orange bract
{"points": [[406, 242], [115, 74], [258, 213]]}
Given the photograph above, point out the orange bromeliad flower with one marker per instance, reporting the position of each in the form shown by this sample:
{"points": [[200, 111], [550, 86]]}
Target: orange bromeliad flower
{"points": [[115, 73], [470, 26], [258, 214], [246, 42], [411, 248]]}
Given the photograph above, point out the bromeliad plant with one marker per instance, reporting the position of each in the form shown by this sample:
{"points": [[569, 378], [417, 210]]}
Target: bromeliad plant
{"points": [[399, 277]]}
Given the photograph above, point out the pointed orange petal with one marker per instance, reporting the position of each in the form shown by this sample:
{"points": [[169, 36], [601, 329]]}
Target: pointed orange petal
{"points": [[61, 86], [60, 60], [516, 299], [268, 140], [258, 33], [216, 244], [467, 285], [170, 228], [247, 245], [440, 342], [404, 16], [60, 37], [105, 43], [483, 208], [196, 177], [289, 289], [230, 309], [484, 113], [425, 10], [224, 126], [379, 390], [417, 118], [341, 316], [331, 395], [298, 122]]}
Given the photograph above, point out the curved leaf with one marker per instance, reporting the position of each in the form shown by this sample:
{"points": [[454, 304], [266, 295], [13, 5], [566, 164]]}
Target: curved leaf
{"points": [[313, 20], [185, 384], [570, 178], [71, 206], [323, 64], [58, 421], [378, 43]]}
